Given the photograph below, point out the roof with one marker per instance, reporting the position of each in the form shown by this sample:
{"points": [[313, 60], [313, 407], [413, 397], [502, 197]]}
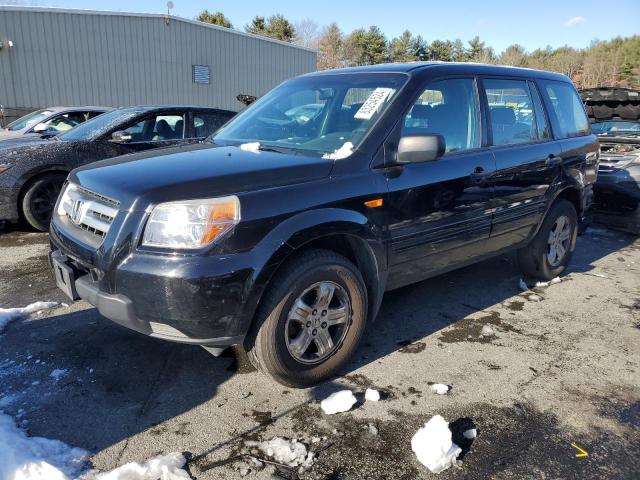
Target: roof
{"points": [[447, 67], [151, 108], [77, 108], [77, 11]]}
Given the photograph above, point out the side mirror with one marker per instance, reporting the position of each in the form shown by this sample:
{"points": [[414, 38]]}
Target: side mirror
{"points": [[40, 128], [120, 137], [420, 148]]}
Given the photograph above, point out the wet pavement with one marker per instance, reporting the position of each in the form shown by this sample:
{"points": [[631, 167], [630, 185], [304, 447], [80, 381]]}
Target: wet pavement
{"points": [[535, 372]]}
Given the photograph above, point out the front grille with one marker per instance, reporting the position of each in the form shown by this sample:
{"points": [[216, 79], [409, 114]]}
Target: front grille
{"points": [[87, 210]]}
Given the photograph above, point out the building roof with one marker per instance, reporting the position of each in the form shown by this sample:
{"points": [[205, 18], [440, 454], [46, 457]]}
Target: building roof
{"points": [[171, 18]]}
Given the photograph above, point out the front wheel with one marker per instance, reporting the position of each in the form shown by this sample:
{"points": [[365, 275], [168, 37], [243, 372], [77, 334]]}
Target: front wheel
{"points": [[550, 251], [310, 321], [40, 198]]}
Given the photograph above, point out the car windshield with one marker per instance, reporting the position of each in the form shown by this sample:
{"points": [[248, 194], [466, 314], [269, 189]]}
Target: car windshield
{"points": [[28, 121], [325, 115], [94, 128], [615, 127]]}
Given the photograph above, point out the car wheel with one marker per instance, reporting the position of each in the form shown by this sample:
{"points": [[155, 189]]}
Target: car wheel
{"points": [[311, 319], [40, 198], [550, 251]]}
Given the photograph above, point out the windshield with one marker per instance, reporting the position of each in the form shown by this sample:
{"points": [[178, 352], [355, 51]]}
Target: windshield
{"points": [[615, 127], [29, 121], [98, 126], [318, 115]]}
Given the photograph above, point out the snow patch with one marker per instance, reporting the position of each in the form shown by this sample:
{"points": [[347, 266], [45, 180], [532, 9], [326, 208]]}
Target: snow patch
{"points": [[58, 373], [487, 331], [433, 446], [10, 314], [287, 452], [338, 402], [440, 388], [35, 458], [372, 395], [164, 467], [343, 152], [253, 147], [470, 434]]}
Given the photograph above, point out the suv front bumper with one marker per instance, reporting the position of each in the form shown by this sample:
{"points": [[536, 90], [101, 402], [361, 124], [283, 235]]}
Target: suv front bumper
{"points": [[203, 301]]}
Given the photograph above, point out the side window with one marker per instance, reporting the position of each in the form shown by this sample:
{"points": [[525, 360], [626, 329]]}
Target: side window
{"points": [[449, 108], [93, 114], [157, 128], [204, 124], [568, 109], [66, 121], [511, 112]]}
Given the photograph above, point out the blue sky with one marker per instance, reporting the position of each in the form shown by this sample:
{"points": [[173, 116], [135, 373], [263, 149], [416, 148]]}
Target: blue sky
{"points": [[498, 23]]}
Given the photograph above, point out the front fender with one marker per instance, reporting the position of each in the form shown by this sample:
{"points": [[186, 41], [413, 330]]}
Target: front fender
{"points": [[295, 232]]}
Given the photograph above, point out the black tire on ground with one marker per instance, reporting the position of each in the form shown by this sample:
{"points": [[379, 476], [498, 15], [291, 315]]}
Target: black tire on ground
{"points": [[267, 340], [534, 258], [39, 198]]}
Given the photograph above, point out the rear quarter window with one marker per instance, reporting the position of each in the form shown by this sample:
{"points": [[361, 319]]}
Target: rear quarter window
{"points": [[570, 117]]}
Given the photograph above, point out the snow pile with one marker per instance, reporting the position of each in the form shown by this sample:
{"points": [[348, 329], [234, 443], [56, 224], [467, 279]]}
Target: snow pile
{"points": [[433, 446], [440, 388], [251, 147], [286, 452], [58, 373], [10, 314], [546, 284], [372, 395], [165, 467], [487, 331], [343, 152], [470, 434], [338, 402], [36, 458]]}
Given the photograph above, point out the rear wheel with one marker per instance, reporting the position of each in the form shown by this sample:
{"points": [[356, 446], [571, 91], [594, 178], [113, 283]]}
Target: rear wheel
{"points": [[310, 321], [550, 251], [39, 199]]}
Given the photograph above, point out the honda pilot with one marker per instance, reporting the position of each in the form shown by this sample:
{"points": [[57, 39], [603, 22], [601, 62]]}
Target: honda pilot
{"points": [[283, 232]]}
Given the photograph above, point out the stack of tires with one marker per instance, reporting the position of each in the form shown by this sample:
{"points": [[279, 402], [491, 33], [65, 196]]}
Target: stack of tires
{"points": [[611, 103]]}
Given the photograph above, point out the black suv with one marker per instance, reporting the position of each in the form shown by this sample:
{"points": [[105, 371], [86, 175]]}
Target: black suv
{"points": [[283, 234]]}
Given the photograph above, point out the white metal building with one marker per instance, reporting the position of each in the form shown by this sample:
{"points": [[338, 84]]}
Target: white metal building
{"points": [[51, 56]]}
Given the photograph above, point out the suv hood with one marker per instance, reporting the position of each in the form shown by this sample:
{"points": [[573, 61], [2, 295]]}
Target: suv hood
{"points": [[194, 171]]}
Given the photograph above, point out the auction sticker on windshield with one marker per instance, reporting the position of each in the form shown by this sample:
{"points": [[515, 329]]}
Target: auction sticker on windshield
{"points": [[373, 103]]}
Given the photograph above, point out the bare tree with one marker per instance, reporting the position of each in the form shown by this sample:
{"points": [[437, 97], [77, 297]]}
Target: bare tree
{"points": [[330, 45], [306, 33]]}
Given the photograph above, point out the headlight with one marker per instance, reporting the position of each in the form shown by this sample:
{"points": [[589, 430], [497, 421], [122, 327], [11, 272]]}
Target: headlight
{"points": [[191, 223]]}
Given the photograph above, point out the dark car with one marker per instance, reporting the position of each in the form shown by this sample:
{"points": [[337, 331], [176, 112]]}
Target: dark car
{"points": [[284, 232], [32, 172], [49, 121], [615, 116]]}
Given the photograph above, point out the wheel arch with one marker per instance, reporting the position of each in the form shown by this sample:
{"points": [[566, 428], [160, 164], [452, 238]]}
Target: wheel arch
{"points": [[345, 232]]}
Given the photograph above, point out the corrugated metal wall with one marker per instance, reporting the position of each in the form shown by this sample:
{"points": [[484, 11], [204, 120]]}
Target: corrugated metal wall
{"points": [[70, 57]]}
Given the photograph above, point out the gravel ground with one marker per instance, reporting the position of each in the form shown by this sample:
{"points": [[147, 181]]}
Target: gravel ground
{"points": [[561, 368]]}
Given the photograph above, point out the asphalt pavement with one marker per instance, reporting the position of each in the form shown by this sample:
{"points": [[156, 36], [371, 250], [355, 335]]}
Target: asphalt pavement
{"points": [[559, 373]]}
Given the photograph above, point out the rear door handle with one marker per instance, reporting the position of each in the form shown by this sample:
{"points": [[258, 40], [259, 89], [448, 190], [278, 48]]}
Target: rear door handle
{"points": [[553, 160]]}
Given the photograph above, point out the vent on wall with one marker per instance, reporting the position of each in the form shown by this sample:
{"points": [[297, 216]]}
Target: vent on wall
{"points": [[201, 74]]}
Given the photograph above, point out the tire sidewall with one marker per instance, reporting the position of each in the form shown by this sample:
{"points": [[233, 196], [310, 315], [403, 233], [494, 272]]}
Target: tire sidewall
{"points": [[283, 365], [561, 208], [31, 190]]}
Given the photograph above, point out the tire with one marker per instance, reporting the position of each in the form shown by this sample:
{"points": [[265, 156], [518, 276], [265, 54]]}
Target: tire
{"points": [[39, 199], [270, 342], [536, 258]]}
